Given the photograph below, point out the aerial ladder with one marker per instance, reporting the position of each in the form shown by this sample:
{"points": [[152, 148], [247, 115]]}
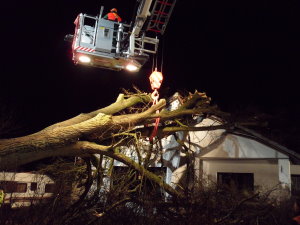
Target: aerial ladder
{"points": [[112, 45]]}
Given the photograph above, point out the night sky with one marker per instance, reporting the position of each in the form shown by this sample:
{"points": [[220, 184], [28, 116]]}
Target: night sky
{"points": [[242, 53]]}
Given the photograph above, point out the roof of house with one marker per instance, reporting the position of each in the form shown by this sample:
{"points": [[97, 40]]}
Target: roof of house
{"points": [[246, 132]]}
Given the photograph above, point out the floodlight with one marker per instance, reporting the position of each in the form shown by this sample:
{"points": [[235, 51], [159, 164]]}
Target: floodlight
{"points": [[131, 67], [84, 59]]}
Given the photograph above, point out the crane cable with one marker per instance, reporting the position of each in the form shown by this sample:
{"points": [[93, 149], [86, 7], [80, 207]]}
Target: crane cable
{"points": [[156, 79], [162, 55]]}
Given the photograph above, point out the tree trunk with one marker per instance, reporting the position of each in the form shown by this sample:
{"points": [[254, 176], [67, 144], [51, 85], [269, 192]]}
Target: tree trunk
{"points": [[85, 134]]}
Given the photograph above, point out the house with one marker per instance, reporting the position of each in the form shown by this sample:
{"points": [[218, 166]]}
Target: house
{"points": [[237, 156], [241, 156], [25, 189]]}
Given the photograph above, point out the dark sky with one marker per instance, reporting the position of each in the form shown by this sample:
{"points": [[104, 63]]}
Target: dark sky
{"points": [[242, 53]]}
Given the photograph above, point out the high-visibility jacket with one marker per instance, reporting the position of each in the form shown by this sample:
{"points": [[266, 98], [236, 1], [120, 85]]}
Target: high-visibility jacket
{"points": [[1, 197], [114, 16]]}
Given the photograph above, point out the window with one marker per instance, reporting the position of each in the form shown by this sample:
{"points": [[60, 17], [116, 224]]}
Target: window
{"points": [[89, 21], [8, 186], [33, 186], [295, 184], [239, 181], [12, 186], [50, 188], [21, 187]]}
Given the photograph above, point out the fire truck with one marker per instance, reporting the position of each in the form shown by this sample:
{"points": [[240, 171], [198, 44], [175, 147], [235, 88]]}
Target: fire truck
{"points": [[99, 42]]}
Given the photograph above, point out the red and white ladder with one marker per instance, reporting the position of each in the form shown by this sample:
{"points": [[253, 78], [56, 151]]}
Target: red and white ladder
{"points": [[160, 15]]}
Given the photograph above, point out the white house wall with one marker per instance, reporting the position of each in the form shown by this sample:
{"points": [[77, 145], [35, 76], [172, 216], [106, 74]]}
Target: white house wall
{"points": [[265, 171], [29, 196], [219, 144], [203, 139], [218, 151], [24, 177], [240, 147], [284, 171], [295, 169]]}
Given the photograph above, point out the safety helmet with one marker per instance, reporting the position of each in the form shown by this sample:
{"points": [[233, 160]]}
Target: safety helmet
{"points": [[114, 10]]}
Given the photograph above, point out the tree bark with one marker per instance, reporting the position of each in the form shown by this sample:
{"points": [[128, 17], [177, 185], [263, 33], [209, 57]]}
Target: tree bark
{"points": [[85, 134]]}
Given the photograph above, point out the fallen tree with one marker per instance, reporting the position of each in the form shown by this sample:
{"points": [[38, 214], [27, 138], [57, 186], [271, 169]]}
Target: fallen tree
{"points": [[99, 139], [104, 130]]}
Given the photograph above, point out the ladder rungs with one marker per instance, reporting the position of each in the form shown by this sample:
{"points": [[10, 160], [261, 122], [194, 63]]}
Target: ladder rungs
{"points": [[157, 31], [157, 21], [164, 3], [162, 13]]}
